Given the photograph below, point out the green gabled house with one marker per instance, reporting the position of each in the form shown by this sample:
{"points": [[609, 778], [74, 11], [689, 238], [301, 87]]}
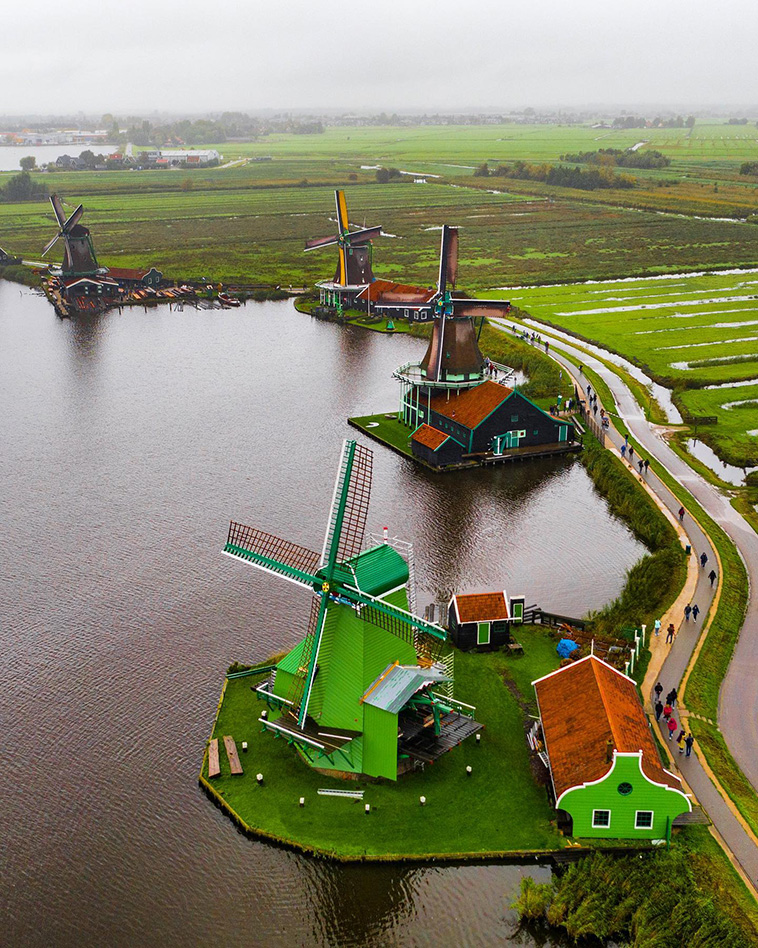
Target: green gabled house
{"points": [[606, 775], [366, 691]]}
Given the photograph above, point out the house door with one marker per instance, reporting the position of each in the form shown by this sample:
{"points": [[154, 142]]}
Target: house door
{"points": [[483, 633], [501, 443], [563, 432]]}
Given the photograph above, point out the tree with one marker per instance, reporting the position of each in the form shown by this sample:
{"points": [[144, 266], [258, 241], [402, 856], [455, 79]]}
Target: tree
{"points": [[690, 123], [382, 175], [482, 171], [29, 163]]}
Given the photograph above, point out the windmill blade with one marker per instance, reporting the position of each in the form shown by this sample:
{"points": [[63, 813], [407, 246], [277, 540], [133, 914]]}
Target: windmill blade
{"points": [[60, 214], [316, 242], [50, 244], [302, 683], [347, 519], [74, 219], [448, 258], [391, 618], [474, 308], [342, 222], [358, 237], [272, 554], [343, 265]]}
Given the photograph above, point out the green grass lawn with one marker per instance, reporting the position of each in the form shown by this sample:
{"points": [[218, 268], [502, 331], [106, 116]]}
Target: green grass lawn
{"points": [[388, 430], [500, 808]]}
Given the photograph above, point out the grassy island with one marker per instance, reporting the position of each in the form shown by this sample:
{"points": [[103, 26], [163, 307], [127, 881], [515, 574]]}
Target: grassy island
{"points": [[500, 809]]}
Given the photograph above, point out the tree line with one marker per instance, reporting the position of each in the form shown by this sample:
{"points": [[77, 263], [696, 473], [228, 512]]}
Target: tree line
{"points": [[22, 187], [588, 179], [622, 158]]}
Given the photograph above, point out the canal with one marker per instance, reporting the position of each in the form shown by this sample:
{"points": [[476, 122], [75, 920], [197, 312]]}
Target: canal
{"points": [[128, 442]]}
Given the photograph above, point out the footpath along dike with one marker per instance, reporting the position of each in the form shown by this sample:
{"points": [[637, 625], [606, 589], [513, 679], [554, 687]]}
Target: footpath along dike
{"points": [[673, 664]]}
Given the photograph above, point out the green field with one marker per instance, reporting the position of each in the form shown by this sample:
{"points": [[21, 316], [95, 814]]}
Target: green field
{"points": [[250, 221], [696, 334]]}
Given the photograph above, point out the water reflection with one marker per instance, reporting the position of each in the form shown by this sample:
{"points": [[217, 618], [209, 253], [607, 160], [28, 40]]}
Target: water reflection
{"points": [[727, 472]]}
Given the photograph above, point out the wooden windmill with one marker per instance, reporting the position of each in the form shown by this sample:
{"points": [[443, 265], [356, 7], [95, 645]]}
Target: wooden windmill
{"points": [[79, 255], [453, 353], [355, 695], [354, 254]]}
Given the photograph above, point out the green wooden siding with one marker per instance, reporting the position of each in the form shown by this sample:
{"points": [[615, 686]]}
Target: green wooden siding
{"points": [[665, 803], [380, 743]]}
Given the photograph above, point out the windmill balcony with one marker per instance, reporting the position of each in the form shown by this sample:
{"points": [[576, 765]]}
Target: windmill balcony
{"points": [[412, 374]]}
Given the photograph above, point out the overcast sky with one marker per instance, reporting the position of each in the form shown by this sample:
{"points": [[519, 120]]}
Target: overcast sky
{"points": [[183, 55]]}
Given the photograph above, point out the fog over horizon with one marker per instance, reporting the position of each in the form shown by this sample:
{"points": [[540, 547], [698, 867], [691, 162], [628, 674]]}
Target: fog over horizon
{"points": [[397, 55]]}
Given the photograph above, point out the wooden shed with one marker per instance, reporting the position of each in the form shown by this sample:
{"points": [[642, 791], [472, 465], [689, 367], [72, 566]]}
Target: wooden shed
{"points": [[483, 619]]}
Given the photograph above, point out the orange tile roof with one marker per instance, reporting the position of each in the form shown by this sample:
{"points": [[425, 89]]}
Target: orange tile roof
{"points": [[430, 437], [471, 406], [585, 705], [123, 273], [481, 607], [385, 291]]}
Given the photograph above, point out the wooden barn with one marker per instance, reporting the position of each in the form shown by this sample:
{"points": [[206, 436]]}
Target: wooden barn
{"points": [[486, 422], [606, 775], [483, 619]]}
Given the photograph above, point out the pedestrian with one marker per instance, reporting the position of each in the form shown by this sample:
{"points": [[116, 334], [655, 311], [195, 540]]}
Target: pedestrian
{"points": [[631, 453], [672, 728], [589, 389], [647, 465], [680, 742], [712, 576], [681, 514], [695, 612], [680, 735], [640, 465], [547, 345], [667, 712], [689, 741], [658, 630], [687, 612], [703, 559], [658, 710], [626, 438], [672, 697], [623, 451], [670, 633], [658, 689]]}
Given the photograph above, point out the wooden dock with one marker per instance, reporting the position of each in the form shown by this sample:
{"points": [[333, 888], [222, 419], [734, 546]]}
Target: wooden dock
{"points": [[231, 752], [214, 766]]}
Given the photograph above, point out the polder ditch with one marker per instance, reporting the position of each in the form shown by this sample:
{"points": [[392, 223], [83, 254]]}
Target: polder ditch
{"points": [[130, 440]]}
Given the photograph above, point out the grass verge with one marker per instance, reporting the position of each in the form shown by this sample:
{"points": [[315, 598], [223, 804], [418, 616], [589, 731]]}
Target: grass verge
{"points": [[386, 428]]}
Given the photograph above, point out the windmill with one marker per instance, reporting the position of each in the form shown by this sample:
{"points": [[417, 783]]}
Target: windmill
{"points": [[453, 353], [79, 255], [354, 247], [365, 669]]}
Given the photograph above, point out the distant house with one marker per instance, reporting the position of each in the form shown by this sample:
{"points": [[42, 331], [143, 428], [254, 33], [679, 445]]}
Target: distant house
{"points": [[486, 420], [128, 277], [483, 619], [607, 778]]}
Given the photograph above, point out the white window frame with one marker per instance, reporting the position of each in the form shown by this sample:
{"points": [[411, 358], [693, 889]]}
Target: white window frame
{"points": [[601, 825], [637, 817]]}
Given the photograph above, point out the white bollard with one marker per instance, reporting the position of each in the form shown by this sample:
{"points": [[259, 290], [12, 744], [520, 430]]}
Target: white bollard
{"points": [[469, 770], [367, 809], [244, 747], [422, 801], [259, 778], [302, 801]]}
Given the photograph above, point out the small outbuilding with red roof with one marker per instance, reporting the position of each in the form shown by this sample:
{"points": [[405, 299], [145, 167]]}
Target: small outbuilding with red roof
{"points": [[606, 774], [483, 619]]}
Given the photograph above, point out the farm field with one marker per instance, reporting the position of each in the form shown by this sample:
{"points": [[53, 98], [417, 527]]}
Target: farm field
{"points": [[695, 333]]}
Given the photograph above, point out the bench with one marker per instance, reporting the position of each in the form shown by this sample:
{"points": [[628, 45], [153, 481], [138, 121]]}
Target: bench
{"points": [[214, 767], [516, 647], [231, 752], [350, 794]]}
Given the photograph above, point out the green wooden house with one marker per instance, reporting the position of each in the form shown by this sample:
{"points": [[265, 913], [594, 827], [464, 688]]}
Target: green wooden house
{"points": [[607, 778], [368, 690]]}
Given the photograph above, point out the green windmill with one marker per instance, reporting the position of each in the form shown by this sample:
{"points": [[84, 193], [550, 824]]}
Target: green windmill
{"points": [[367, 691]]}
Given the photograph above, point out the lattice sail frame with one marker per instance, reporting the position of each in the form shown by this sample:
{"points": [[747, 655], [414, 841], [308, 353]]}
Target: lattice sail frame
{"points": [[357, 465]]}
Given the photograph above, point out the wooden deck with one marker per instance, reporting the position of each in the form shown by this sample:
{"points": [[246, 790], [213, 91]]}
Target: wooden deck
{"points": [[214, 766], [231, 752]]}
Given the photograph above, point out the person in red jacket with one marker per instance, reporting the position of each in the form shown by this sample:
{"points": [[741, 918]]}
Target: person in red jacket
{"points": [[672, 728]]}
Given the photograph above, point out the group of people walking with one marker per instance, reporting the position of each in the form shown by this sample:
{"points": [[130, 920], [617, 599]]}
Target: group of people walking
{"points": [[684, 741]]}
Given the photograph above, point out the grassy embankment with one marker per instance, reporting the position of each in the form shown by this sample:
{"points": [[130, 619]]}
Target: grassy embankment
{"points": [[397, 825], [690, 895]]}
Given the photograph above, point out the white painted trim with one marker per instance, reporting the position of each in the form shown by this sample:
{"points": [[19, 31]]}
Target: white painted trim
{"points": [[586, 658], [604, 826], [284, 730], [652, 819], [267, 569], [331, 506], [616, 755], [390, 591]]}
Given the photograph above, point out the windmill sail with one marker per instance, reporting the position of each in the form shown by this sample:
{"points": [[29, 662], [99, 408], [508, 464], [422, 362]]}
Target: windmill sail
{"points": [[347, 519], [354, 248], [303, 678], [271, 553]]}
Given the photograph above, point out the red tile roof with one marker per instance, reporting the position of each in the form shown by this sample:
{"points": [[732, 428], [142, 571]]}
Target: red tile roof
{"points": [[430, 437], [481, 607], [584, 706], [122, 273], [385, 291], [471, 406]]}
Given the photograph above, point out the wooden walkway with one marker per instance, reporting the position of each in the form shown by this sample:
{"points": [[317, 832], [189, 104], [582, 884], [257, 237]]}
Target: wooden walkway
{"points": [[214, 767], [231, 752]]}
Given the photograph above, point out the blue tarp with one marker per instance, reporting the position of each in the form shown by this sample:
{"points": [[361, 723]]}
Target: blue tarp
{"points": [[565, 647]]}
